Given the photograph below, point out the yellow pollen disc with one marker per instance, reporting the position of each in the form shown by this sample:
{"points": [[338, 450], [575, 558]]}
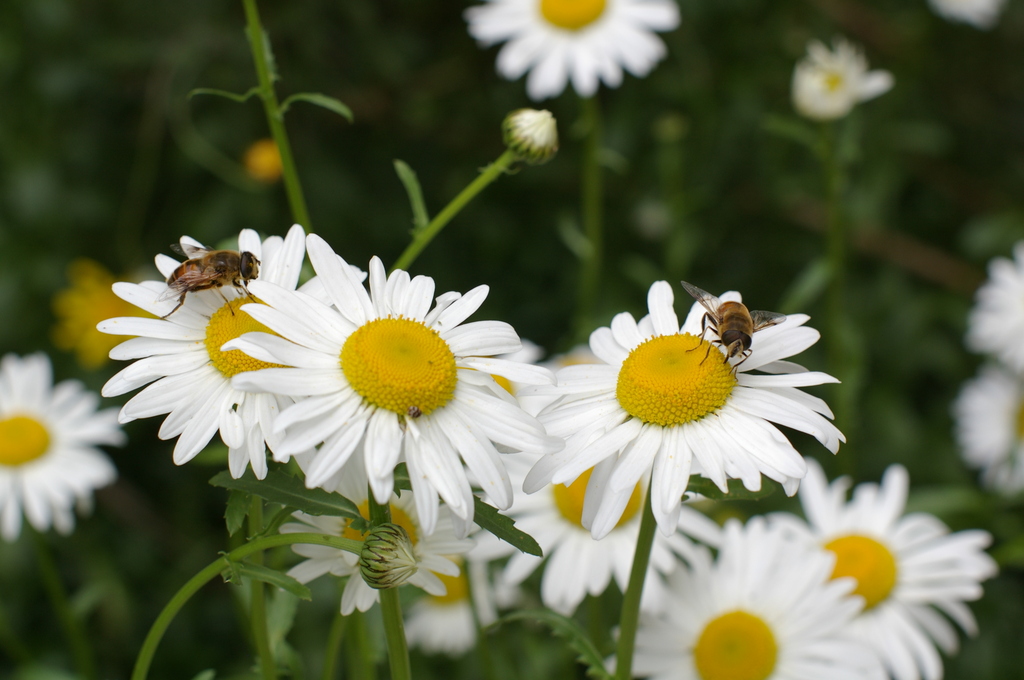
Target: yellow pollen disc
{"points": [[398, 516], [735, 646], [572, 15], [674, 379], [227, 323], [569, 500], [397, 364], [458, 588], [833, 82], [868, 561], [22, 439]]}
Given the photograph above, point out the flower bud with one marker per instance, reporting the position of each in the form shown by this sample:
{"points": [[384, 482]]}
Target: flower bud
{"points": [[387, 558], [531, 134]]}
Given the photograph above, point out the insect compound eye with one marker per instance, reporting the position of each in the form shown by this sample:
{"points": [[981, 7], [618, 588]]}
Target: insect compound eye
{"points": [[731, 336], [249, 267]]}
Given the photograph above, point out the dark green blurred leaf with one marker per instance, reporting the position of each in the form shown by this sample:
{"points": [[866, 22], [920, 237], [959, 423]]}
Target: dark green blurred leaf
{"points": [[504, 527], [208, 674], [321, 100], [420, 218], [236, 510], [240, 98], [807, 288], [737, 492], [568, 630], [793, 129], [274, 577], [284, 489]]}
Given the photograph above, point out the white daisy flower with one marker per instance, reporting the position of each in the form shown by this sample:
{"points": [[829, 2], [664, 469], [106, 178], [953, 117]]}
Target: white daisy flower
{"points": [[49, 462], [181, 356], [828, 84], [764, 610], [979, 13], [443, 624], [574, 563], [434, 552], [583, 41], [996, 323], [408, 381], [908, 568], [664, 404], [989, 415]]}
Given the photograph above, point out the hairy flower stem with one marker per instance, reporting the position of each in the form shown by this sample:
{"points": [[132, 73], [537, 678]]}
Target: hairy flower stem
{"points": [[391, 608], [421, 238], [84, 660], [258, 602], [630, 616], [591, 215], [259, 44], [214, 569]]}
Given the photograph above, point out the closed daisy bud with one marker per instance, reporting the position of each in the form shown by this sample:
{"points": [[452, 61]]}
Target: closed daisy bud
{"points": [[387, 558], [532, 134]]}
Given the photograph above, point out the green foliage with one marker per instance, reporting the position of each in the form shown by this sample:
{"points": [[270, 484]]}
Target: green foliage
{"points": [[737, 492], [568, 630], [280, 487]]}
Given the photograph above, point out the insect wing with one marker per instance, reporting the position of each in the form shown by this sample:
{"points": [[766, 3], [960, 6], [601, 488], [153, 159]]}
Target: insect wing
{"points": [[193, 278], [190, 248], [706, 299], [764, 319]]}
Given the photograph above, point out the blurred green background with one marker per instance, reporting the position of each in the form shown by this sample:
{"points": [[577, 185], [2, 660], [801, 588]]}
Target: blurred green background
{"points": [[103, 156]]}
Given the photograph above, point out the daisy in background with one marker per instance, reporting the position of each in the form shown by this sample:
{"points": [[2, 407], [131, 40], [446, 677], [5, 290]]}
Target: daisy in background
{"points": [[574, 563], [765, 609], [827, 84], [909, 569], [49, 460], [181, 359], [436, 553], [665, 404], [996, 322], [979, 13], [582, 41], [383, 369], [989, 415]]}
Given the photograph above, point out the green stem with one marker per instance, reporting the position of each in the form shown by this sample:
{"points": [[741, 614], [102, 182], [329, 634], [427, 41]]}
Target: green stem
{"points": [[359, 660], [391, 608], [258, 601], [211, 571], [84, 660], [259, 44], [11, 644], [630, 616], [424, 236], [483, 644], [334, 637], [591, 212]]}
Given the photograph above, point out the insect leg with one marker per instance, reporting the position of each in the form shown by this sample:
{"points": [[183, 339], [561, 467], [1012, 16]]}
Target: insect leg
{"points": [[226, 301], [181, 301]]}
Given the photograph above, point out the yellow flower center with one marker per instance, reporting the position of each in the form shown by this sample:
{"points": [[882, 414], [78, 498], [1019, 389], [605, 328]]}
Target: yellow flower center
{"points": [[735, 646], [262, 161], [398, 516], [868, 561], [572, 15], [833, 81], [569, 500], [458, 588], [399, 364], [227, 323], [674, 379], [22, 439]]}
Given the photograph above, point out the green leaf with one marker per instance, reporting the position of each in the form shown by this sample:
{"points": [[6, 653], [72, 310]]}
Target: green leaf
{"points": [[236, 510], [274, 577], [807, 288], [504, 527], [737, 492], [208, 674], [792, 129], [284, 489], [420, 219], [568, 630], [402, 482], [240, 98], [321, 100]]}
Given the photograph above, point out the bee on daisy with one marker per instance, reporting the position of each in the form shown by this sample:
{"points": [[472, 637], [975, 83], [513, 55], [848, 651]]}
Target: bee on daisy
{"points": [[668, 401]]}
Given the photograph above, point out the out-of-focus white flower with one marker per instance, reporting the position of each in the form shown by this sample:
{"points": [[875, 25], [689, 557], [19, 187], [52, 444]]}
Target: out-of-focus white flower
{"points": [[989, 417], [979, 13], [996, 323], [583, 41], [827, 84]]}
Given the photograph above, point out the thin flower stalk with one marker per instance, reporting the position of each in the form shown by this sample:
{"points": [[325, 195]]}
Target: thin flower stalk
{"points": [[391, 608], [630, 615], [85, 661]]}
